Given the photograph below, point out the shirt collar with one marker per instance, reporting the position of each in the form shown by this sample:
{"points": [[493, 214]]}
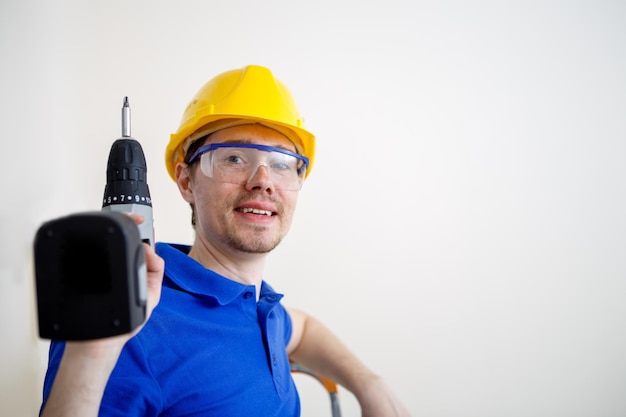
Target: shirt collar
{"points": [[189, 275]]}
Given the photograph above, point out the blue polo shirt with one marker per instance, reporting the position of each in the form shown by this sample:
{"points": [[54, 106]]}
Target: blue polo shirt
{"points": [[209, 349]]}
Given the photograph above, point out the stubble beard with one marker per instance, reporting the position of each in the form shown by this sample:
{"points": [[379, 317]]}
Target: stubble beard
{"points": [[256, 243], [254, 239]]}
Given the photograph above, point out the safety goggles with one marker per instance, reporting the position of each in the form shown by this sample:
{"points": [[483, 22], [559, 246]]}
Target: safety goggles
{"points": [[238, 163]]}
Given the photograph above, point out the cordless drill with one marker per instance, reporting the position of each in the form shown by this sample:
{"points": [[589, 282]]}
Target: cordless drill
{"points": [[90, 268]]}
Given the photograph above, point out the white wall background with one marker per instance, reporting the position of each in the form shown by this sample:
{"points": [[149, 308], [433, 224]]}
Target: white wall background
{"points": [[463, 229]]}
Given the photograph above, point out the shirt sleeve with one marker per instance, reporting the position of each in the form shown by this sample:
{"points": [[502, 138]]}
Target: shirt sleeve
{"points": [[132, 389], [55, 354], [288, 329]]}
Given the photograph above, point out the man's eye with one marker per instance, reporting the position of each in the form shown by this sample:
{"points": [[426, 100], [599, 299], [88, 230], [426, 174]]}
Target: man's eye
{"points": [[281, 166], [234, 159]]}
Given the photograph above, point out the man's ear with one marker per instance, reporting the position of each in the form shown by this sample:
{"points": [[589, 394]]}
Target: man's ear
{"points": [[183, 180]]}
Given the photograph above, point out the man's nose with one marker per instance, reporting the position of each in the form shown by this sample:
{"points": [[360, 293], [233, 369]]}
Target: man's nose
{"points": [[260, 179]]}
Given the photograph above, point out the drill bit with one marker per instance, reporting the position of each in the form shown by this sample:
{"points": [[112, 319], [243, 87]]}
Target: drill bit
{"points": [[126, 119]]}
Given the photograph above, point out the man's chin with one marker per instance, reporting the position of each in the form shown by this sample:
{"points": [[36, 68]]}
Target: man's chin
{"points": [[256, 246]]}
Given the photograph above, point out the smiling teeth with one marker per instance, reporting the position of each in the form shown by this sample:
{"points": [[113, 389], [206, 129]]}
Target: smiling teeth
{"points": [[256, 211]]}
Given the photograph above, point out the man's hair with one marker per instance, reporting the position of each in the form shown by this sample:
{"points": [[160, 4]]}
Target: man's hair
{"points": [[190, 151]]}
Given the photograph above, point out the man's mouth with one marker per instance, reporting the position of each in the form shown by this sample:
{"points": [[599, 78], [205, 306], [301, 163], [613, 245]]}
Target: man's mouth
{"points": [[255, 211]]}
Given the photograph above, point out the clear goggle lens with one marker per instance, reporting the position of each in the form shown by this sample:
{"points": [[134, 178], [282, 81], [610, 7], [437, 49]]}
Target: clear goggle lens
{"points": [[238, 163]]}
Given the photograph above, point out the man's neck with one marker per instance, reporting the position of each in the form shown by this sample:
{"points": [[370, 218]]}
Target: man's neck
{"points": [[242, 267]]}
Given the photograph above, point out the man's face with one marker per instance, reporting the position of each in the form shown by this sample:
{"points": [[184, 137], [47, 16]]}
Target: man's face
{"points": [[252, 217]]}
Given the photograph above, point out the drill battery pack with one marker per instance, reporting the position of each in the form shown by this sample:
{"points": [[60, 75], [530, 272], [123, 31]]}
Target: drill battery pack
{"points": [[90, 276]]}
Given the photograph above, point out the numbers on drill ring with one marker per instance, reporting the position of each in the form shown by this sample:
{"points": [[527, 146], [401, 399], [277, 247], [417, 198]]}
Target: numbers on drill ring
{"points": [[127, 199]]}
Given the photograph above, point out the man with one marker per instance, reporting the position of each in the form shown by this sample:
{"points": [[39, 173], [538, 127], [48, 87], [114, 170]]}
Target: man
{"points": [[219, 341]]}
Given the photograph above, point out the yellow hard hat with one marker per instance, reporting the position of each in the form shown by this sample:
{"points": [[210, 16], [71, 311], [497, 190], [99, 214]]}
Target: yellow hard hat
{"points": [[247, 95]]}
